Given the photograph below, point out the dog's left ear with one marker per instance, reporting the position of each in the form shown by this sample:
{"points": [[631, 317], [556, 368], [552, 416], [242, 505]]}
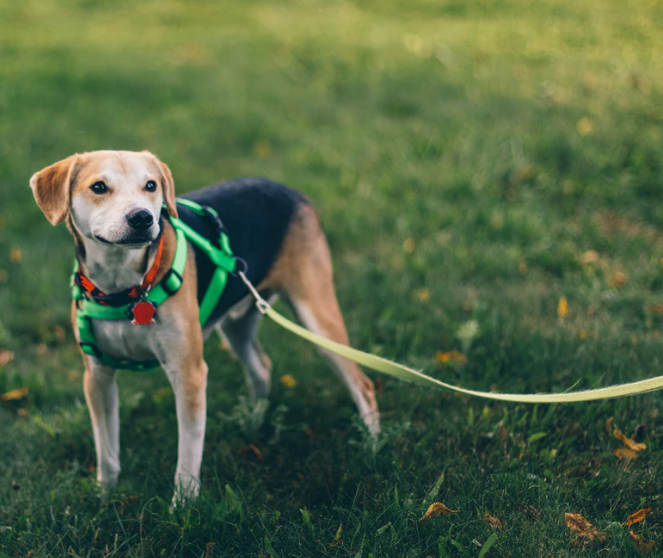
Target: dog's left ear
{"points": [[168, 190], [51, 188]]}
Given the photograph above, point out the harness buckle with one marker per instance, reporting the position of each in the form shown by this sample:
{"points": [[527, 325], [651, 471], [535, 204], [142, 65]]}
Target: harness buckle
{"points": [[171, 282]]}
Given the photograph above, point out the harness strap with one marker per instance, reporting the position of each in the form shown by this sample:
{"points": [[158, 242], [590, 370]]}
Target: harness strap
{"points": [[221, 256]]}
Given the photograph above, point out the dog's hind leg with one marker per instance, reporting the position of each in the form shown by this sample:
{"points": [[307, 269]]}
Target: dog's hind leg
{"points": [[303, 272], [239, 328]]}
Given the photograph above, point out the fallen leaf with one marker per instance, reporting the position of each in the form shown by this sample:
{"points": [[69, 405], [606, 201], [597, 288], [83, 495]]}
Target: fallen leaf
{"points": [[15, 394], [591, 256], [288, 381], [15, 255], [583, 528], [562, 308], [655, 309], [530, 511], [5, 357], [422, 295], [436, 508], [628, 442], [643, 545], [451, 356], [608, 425], [251, 448], [618, 279], [408, 246], [636, 517], [493, 521], [209, 549], [584, 126], [625, 454]]}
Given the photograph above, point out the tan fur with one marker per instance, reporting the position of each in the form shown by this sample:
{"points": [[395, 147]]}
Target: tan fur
{"points": [[51, 188], [303, 272]]}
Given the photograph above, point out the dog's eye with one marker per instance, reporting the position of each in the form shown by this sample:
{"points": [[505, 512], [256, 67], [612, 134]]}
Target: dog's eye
{"points": [[99, 188], [151, 186]]}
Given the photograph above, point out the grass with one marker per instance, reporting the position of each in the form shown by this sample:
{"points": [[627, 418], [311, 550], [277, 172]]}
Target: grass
{"points": [[465, 157]]}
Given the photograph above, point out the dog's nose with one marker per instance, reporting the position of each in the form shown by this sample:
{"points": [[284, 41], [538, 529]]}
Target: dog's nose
{"points": [[141, 219]]}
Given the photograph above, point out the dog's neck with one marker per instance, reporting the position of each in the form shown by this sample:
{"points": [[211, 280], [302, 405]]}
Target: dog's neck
{"points": [[113, 268]]}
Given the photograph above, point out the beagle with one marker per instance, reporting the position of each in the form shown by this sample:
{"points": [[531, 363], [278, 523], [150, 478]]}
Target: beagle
{"points": [[112, 204]]}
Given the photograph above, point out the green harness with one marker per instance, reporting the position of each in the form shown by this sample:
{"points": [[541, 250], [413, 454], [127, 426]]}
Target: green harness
{"points": [[221, 256]]}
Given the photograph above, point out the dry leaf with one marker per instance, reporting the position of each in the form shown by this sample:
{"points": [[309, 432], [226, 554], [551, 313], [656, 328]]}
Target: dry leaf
{"points": [[655, 309], [643, 545], [584, 126], [608, 425], [209, 549], [15, 255], [625, 454], [288, 381], [251, 448], [15, 394], [530, 511], [562, 308], [422, 295], [636, 517], [5, 357], [591, 256], [436, 508], [619, 279], [451, 356], [493, 521], [628, 442], [583, 528]]}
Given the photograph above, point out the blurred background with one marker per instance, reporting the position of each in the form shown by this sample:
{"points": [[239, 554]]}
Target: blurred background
{"points": [[488, 175]]}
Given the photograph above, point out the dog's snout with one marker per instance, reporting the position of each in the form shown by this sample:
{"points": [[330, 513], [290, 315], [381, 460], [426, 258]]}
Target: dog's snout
{"points": [[141, 219]]}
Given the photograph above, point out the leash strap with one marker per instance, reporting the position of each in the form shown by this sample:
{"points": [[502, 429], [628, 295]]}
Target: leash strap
{"points": [[404, 373]]}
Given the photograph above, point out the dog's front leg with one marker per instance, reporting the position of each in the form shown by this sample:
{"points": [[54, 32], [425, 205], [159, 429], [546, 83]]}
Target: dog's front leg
{"points": [[189, 381], [102, 400]]}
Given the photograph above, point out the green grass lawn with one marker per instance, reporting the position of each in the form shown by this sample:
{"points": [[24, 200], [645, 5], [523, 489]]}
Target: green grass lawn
{"points": [[473, 162]]}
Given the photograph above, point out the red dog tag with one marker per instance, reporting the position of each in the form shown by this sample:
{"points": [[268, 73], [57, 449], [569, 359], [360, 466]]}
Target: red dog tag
{"points": [[143, 313]]}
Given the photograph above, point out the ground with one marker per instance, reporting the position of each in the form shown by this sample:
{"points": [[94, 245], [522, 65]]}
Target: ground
{"points": [[488, 173]]}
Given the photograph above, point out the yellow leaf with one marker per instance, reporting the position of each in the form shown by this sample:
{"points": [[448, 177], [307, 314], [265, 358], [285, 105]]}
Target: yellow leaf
{"points": [[583, 334], [15, 255], [637, 517], [625, 454], [288, 381], [15, 394], [643, 545], [591, 256], [628, 442], [584, 126], [263, 149], [493, 521], [583, 528], [451, 356], [562, 308], [408, 246], [422, 295], [436, 508]]}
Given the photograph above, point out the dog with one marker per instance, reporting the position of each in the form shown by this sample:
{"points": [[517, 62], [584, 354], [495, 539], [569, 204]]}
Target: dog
{"points": [[112, 204]]}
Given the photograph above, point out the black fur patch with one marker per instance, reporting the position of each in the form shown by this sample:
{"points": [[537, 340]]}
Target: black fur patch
{"points": [[256, 213]]}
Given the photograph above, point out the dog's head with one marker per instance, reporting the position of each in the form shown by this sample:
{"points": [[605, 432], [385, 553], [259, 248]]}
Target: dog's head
{"points": [[113, 197]]}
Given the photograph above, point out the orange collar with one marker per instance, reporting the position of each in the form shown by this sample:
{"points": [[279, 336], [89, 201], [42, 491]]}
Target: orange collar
{"points": [[133, 293]]}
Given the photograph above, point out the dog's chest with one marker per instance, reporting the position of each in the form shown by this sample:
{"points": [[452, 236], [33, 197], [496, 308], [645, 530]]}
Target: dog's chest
{"points": [[120, 339]]}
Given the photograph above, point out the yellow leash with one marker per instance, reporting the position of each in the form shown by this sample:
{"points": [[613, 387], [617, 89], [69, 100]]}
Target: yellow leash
{"points": [[404, 373]]}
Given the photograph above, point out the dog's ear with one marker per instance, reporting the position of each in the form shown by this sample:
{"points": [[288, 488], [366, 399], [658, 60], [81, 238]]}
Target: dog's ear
{"points": [[51, 187], [168, 190]]}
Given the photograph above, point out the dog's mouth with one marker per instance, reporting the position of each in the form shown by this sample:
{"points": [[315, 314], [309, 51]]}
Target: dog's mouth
{"points": [[137, 241]]}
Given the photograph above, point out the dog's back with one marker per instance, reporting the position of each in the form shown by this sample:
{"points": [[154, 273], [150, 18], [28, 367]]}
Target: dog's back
{"points": [[257, 214]]}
